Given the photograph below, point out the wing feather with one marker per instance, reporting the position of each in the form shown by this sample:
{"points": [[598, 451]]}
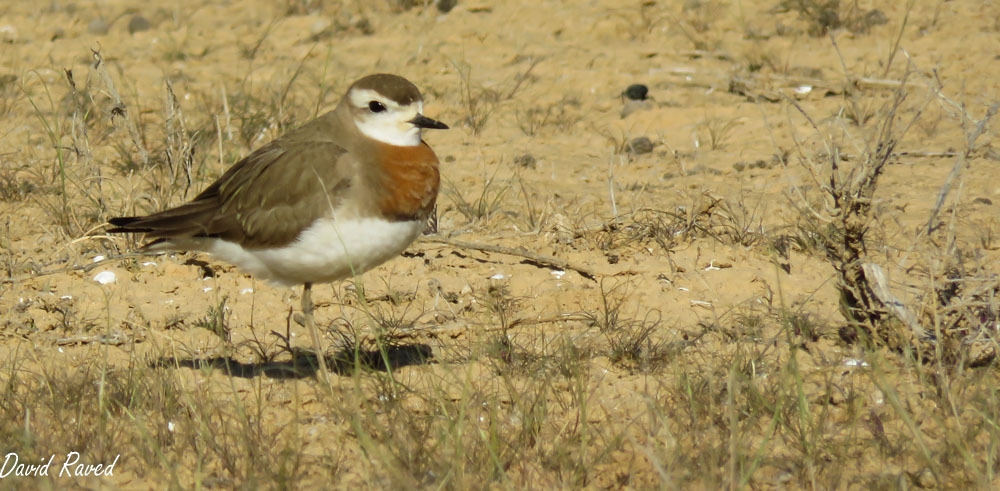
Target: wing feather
{"points": [[264, 200]]}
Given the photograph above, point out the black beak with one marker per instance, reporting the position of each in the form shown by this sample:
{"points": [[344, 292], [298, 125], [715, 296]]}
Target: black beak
{"points": [[422, 121]]}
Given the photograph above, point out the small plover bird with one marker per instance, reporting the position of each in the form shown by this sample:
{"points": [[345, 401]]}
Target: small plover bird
{"points": [[332, 199]]}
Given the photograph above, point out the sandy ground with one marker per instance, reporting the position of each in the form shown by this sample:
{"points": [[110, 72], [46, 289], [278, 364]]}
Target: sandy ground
{"points": [[536, 159]]}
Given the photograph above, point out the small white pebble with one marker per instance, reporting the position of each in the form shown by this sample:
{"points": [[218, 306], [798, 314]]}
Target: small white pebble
{"points": [[170, 426], [206, 289], [105, 277], [803, 89], [498, 276], [98, 258], [701, 303], [681, 288], [67, 297], [61, 350], [854, 362], [246, 290], [149, 263], [558, 274]]}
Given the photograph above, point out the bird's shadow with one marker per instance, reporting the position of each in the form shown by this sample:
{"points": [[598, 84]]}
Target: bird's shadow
{"points": [[304, 363]]}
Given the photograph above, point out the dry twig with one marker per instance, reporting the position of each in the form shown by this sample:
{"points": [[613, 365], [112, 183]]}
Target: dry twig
{"points": [[537, 259]]}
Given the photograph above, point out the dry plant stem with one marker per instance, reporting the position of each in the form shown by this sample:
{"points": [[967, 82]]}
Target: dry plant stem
{"points": [[453, 327], [81, 142], [84, 268], [119, 108], [310, 324], [849, 212], [899, 37], [611, 186], [540, 259], [960, 164], [180, 148]]}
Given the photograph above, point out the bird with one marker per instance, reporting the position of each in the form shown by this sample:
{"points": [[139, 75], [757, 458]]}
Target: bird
{"points": [[326, 201]]}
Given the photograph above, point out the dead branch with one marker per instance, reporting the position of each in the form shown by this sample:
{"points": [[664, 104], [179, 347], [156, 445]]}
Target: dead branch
{"points": [[537, 259], [960, 164]]}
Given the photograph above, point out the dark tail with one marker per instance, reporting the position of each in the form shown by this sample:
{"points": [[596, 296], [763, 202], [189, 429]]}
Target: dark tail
{"points": [[121, 225], [194, 219]]}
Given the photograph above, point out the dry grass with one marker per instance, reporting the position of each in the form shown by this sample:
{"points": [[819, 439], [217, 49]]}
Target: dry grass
{"points": [[781, 299]]}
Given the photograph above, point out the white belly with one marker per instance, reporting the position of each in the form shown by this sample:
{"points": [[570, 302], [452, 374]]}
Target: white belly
{"points": [[327, 251]]}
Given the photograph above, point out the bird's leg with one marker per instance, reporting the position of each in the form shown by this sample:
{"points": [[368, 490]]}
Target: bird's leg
{"points": [[310, 324], [307, 303]]}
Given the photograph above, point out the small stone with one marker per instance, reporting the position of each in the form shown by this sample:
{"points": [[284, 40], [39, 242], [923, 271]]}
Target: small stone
{"points": [[7, 79], [98, 26], [365, 26], [639, 146], [636, 92], [526, 161], [983, 201], [138, 23], [445, 6], [925, 479], [8, 33], [876, 17], [105, 277]]}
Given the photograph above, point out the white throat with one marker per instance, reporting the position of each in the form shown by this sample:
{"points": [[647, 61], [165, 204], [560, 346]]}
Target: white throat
{"points": [[387, 132]]}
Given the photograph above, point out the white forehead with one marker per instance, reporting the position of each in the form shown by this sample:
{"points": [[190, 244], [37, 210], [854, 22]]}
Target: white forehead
{"points": [[361, 98]]}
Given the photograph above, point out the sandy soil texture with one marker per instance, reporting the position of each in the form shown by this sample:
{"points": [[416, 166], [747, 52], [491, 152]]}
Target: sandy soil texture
{"points": [[621, 294]]}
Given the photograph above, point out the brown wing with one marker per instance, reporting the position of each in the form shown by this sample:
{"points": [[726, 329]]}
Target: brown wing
{"points": [[264, 200]]}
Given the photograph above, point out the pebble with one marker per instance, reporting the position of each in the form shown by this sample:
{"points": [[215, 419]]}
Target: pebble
{"points": [[105, 277], [445, 6], [8, 33], [639, 146], [636, 92], [138, 23], [527, 161]]}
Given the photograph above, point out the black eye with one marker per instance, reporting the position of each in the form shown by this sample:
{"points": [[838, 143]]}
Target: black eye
{"points": [[376, 107]]}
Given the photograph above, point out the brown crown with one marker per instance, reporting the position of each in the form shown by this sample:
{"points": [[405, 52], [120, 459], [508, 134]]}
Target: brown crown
{"points": [[394, 87]]}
